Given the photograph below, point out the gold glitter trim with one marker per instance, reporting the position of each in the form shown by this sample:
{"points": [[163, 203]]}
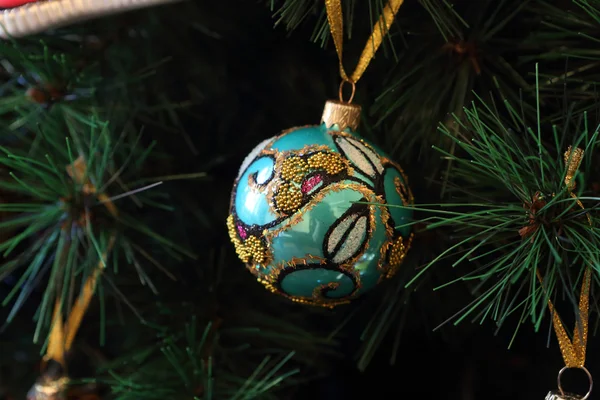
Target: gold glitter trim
{"points": [[398, 253], [269, 279], [334, 187], [331, 303], [389, 233], [385, 217], [401, 190], [272, 273], [319, 289], [405, 185]]}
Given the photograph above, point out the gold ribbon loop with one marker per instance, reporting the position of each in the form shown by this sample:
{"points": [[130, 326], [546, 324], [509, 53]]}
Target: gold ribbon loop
{"points": [[336, 25], [573, 160], [573, 351], [63, 333]]}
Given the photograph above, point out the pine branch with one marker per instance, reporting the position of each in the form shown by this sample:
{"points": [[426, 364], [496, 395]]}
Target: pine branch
{"points": [[192, 365], [513, 213], [34, 78], [80, 73], [58, 229], [444, 63], [235, 347], [567, 43]]}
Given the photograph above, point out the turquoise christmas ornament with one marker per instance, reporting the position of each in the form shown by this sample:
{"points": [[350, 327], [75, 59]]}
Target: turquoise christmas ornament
{"points": [[309, 211]]}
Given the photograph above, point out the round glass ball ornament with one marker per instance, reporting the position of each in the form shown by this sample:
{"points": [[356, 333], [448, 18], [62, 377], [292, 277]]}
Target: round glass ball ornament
{"points": [[309, 211]]}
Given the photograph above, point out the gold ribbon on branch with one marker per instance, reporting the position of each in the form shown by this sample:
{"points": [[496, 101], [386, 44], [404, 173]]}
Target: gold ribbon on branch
{"points": [[336, 25], [573, 350], [62, 333]]}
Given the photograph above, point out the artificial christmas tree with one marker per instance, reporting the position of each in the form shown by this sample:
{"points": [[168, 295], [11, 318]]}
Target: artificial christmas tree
{"points": [[121, 137]]}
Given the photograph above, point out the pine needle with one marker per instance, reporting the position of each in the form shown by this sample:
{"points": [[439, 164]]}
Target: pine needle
{"points": [[530, 220]]}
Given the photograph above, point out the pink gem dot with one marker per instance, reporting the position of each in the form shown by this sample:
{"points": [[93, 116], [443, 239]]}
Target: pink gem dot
{"points": [[310, 183], [242, 232]]}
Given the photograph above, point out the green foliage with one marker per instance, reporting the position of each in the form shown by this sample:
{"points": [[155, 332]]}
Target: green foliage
{"points": [[567, 44], [34, 78], [41, 77], [459, 52], [513, 214], [229, 349], [58, 230], [196, 365]]}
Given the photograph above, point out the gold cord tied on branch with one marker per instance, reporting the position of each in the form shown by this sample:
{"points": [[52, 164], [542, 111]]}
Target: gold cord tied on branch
{"points": [[573, 350], [62, 334], [336, 25]]}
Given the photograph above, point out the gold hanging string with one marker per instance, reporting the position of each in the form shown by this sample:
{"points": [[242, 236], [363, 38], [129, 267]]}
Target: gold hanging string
{"points": [[573, 351], [62, 333], [336, 25]]}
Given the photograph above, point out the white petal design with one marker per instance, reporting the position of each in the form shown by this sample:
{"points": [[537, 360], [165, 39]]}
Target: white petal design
{"points": [[264, 175], [355, 155], [370, 153], [250, 157], [354, 241], [338, 232]]}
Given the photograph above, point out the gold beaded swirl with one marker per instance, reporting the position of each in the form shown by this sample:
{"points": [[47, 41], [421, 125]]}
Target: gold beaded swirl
{"points": [[252, 250], [294, 169], [288, 198], [332, 163]]}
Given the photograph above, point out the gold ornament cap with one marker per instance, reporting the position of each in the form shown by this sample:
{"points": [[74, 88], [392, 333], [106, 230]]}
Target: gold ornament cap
{"points": [[344, 115], [556, 395]]}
